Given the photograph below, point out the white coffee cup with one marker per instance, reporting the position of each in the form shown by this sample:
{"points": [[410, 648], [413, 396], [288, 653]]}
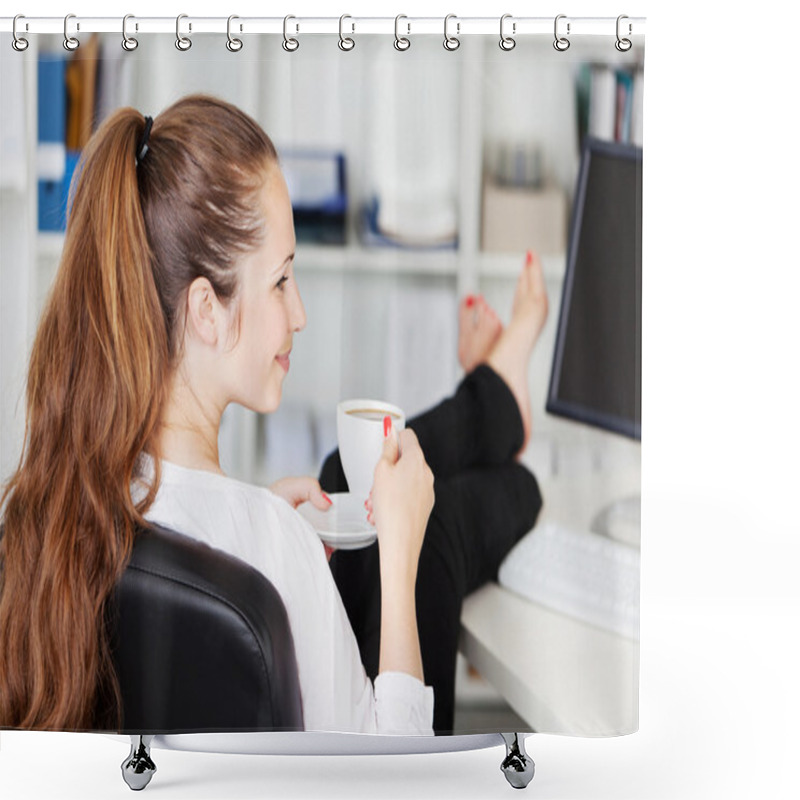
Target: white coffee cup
{"points": [[359, 429]]}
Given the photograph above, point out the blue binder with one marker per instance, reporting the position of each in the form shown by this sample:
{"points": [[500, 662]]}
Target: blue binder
{"points": [[53, 170]]}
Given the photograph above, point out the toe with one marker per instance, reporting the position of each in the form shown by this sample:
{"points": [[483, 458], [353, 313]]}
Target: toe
{"points": [[465, 310], [536, 272]]}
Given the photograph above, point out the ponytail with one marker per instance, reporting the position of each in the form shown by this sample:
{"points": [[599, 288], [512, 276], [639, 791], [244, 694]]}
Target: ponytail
{"points": [[96, 383]]}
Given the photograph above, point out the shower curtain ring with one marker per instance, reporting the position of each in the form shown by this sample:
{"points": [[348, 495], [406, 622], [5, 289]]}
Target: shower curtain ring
{"points": [[183, 43], [507, 42], [233, 44], [401, 42], [451, 42], [561, 43], [129, 43], [18, 42], [346, 42], [70, 42], [623, 44], [289, 43]]}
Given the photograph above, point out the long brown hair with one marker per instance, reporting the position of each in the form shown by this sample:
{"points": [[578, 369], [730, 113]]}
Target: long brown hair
{"points": [[138, 234]]}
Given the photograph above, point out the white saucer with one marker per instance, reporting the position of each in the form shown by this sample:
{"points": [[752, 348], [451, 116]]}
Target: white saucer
{"points": [[344, 525]]}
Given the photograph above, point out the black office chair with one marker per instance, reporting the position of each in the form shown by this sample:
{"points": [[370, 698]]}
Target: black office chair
{"points": [[201, 643]]}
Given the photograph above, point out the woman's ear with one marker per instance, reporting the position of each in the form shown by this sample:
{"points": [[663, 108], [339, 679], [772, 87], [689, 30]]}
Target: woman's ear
{"points": [[203, 309]]}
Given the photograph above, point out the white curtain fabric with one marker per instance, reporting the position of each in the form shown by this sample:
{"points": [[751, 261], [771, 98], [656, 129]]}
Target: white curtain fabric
{"points": [[426, 136]]}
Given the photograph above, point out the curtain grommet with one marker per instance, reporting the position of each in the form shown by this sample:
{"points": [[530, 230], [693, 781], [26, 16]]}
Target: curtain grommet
{"points": [[289, 44], [623, 44], [233, 44], [70, 42], [401, 43], [507, 42], [183, 43], [129, 43], [451, 43], [346, 43], [19, 43], [561, 43]]}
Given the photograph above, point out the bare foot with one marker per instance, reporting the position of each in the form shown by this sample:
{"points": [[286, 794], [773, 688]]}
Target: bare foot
{"points": [[478, 330], [510, 356]]}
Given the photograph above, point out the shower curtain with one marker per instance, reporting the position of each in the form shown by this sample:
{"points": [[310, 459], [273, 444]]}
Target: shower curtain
{"points": [[420, 177]]}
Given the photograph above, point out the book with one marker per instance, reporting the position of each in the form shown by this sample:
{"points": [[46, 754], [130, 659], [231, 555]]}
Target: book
{"points": [[51, 155], [622, 127], [637, 108], [317, 186]]}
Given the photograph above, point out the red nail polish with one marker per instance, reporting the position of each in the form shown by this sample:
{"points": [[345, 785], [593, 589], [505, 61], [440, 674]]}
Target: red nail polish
{"points": [[470, 301], [330, 502], [387, 425], [528, 258]]}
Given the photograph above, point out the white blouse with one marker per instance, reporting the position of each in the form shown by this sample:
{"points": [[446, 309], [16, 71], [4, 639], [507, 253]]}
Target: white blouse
{"points": [[261, 528]]}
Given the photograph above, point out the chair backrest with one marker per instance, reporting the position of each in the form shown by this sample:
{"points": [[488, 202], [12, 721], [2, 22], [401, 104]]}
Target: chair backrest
{"points": [[201, 642]]}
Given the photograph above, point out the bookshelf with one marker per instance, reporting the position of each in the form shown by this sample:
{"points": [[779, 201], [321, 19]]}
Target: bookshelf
{"points": [[481, 98]]}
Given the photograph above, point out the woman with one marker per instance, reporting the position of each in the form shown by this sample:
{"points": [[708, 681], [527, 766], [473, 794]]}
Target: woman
{"points": [[176, 296]]}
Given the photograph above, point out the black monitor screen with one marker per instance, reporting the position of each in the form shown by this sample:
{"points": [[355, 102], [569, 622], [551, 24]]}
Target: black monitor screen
{"points": [[597, 365]]}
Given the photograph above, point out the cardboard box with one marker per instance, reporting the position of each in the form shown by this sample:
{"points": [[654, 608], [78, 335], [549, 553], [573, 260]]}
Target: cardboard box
{"points": [[516, 219]]}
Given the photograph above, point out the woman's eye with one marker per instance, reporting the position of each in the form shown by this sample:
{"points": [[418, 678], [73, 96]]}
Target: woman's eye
{"points": [[281, 283]]}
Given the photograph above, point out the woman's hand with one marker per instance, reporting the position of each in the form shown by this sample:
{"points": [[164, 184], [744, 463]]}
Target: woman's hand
{"points": [[296, 491], [402, 496]]}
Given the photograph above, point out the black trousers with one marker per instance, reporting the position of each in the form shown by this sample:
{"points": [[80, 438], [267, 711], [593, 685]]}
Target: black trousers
{"points": [[485, 502]]}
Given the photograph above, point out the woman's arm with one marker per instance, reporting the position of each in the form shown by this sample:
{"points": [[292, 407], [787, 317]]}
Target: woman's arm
{"points": [[399, 648], [402, 499]]}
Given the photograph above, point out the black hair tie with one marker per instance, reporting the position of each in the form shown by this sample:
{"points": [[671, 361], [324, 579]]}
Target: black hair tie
{"points": [[142, 147]]}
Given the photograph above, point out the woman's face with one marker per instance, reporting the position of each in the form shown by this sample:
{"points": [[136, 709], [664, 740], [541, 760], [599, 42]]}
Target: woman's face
{"points": [[269, 305]]}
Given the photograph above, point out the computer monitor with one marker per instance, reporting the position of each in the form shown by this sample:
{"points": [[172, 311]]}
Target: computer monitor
{"points": [[596, 376]]}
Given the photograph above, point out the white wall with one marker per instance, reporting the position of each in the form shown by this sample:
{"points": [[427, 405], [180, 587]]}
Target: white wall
{"points": [[17, 224]]}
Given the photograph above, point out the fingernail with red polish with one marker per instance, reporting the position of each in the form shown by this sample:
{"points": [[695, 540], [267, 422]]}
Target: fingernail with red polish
{"points": [[387, 425], [529, 257], [330, 502], [470, 301]]}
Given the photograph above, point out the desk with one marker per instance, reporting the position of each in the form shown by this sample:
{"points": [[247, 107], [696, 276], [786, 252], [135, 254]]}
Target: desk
{"points": [[557, 673]]}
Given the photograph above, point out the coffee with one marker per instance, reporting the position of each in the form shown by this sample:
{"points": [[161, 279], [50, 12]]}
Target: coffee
{"points": [[373, 414]]}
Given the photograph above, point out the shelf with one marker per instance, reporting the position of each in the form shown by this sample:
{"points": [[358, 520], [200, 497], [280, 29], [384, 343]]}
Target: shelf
{"points": [[376, 260], [503, 266], [357, 258], [328, 258]]}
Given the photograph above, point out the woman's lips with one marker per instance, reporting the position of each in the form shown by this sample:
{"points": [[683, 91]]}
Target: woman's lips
{"points": [[283, 360]]}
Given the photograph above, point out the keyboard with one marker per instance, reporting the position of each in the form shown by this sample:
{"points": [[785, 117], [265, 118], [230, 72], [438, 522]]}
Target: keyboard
{"points": [[578, 573]]}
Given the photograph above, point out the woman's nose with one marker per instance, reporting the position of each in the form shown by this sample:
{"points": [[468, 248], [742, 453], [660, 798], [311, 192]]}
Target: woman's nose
{"points": [[298, 312]]}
